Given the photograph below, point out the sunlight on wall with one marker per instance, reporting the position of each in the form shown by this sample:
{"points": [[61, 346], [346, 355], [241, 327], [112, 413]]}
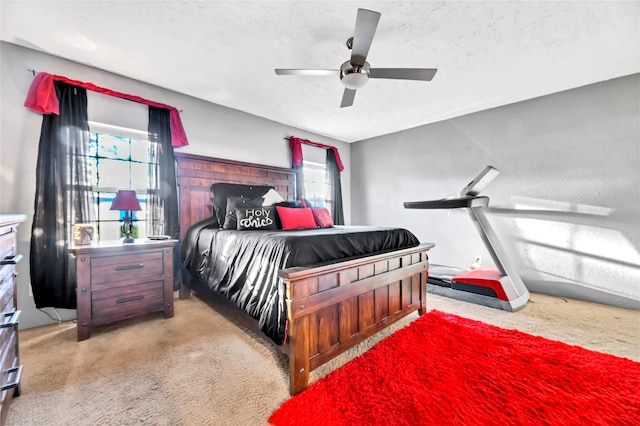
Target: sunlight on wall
{"points": [[560, 241], [539, 204]]}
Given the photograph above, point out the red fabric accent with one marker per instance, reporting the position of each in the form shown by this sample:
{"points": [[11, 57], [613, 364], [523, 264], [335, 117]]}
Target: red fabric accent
{"points": [[296, 218], [178, 135], [338, 160], [296, 150], [42, 95], [443, 369], [322, 217], [45, 84]]}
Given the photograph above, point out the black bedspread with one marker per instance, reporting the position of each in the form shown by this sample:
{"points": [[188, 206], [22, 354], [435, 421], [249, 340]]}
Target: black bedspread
{"points": [[243, 265]]}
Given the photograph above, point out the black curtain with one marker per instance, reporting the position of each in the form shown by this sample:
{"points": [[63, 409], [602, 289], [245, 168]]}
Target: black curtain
{"points": [[63, 198], [299, 188], [334, 188], [162, 199]]}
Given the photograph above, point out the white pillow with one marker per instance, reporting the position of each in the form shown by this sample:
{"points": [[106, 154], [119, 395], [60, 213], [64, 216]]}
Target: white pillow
{"points": [[272, 197]]}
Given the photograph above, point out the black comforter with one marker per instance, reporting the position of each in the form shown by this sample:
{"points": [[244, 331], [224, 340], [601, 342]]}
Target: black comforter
{"points": [[243, 265]]}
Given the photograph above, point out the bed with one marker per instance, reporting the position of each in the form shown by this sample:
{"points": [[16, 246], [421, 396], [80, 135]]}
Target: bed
{"points": [[326, 307]]}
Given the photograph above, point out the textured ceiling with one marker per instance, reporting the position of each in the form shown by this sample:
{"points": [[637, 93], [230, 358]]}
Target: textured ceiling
{"points": [[488, 54]]}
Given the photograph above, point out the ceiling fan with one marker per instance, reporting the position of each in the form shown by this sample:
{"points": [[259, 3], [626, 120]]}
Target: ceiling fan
{"points": [[355, 72]]}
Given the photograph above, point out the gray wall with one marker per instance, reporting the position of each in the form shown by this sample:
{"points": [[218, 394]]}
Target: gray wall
{"points": [[212, 130], [566, 204]]}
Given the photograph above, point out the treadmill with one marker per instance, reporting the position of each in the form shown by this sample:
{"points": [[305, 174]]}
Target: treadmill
{"points": [[499, 287]]}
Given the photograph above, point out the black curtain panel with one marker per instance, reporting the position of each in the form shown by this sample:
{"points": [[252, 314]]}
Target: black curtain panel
{"points": [[299, 188], [334, 188], [162, 199], [63, 198]]}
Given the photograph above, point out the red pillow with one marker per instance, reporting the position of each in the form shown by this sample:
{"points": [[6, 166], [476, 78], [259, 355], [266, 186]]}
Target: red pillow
{"points": [[322, 217], [296, 218]]}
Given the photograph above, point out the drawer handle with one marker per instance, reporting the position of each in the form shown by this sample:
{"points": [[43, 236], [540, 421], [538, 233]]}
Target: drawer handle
{"points": [[11, 260], [130, 299], [129, 267], [13, 319], [16, 382]]}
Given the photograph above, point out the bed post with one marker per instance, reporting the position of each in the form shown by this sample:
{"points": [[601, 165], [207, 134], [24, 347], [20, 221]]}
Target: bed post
{"points": [[423, 287], [299, 365]]}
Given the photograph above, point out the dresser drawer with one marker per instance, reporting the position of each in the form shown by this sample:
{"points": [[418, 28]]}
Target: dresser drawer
{"points": [[125, 302], [7, 243], [6, 288], [8, 327], [110, 270], [8, 351], [8, 374]]}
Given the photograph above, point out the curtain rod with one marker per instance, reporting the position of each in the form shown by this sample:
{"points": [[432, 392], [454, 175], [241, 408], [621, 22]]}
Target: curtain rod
{"points": [[34, 72], [312, 143], [296, 149], [43, 83]]}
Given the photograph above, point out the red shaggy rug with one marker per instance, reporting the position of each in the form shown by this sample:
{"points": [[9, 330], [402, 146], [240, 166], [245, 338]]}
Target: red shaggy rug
{"points": [[446, 370]]}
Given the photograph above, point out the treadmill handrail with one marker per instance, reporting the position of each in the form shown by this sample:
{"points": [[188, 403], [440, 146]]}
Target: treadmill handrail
{"points": [[449, 203]]}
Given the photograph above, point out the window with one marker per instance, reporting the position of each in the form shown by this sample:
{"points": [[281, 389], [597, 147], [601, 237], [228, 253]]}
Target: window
{"points": [[118, 162], [314, 183]]}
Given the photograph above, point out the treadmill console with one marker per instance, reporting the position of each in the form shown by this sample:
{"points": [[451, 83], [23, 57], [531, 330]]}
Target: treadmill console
{"points": [[479, 182]]}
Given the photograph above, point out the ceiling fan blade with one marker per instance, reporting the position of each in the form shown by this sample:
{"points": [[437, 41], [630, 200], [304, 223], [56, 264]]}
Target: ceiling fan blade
{"points": [[425, 74], [286, 71], [347, 98], [366, 24]]}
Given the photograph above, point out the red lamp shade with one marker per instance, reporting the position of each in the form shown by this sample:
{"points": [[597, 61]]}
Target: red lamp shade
{"points": [[126, 200]]}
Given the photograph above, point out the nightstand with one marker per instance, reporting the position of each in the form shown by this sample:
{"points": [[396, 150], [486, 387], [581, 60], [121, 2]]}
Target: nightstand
{"points": [[117, 281]]}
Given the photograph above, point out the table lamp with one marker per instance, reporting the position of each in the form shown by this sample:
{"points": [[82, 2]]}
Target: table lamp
{"points": [[127, 201]]}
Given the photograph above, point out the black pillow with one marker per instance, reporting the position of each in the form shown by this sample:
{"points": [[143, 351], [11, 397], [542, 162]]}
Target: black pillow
{"points": [[263, 217], [221, 191], [293, 204], [233, 203]]}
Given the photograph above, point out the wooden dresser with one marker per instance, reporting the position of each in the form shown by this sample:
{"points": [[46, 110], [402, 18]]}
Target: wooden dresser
{"points": [[118, 281], [11, 370]]}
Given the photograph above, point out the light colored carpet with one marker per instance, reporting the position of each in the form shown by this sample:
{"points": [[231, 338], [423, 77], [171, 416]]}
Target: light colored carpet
{"points": [[200, 369]]}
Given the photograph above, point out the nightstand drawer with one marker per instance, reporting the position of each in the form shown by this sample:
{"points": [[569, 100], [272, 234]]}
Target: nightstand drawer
{"points": [[111, 269], [119, 303]]}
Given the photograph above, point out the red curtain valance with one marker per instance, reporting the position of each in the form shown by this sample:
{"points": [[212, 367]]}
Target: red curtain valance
{"points": [[42, 98], [296, 150]]}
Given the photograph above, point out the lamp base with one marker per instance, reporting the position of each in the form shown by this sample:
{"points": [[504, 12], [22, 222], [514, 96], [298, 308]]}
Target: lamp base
{"points": [[127, 230]]}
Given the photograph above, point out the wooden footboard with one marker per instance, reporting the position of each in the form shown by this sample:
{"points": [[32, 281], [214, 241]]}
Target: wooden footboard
{"points": [[331, 308]]}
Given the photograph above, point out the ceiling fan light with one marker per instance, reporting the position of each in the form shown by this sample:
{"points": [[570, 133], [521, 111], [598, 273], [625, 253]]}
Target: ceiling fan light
{"points": [[354, 81], [354, 77]]}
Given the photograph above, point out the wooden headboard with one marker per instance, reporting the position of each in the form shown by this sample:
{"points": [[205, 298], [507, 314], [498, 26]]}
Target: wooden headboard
{"points": [[196, 174]]}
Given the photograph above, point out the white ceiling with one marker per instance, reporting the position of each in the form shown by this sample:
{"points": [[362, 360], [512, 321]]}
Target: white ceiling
{"points": [[488, 53]]}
